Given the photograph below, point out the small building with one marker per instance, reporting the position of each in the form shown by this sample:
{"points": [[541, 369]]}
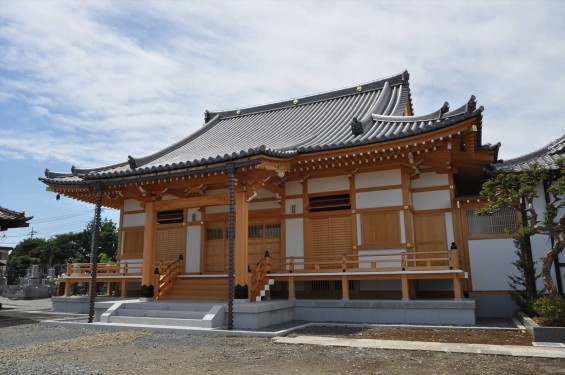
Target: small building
{"points": [[344, 195], [545, 157], [12, 219]]}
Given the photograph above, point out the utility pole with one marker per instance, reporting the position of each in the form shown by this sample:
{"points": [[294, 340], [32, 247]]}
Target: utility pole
{"points": [[31, 234]]}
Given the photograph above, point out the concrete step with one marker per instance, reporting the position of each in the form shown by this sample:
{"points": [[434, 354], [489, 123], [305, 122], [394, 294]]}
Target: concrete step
{"points": [[162, 314], [166, 314], [158, 321]]}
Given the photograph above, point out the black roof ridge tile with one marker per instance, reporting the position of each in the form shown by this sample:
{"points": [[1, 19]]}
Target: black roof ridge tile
{"points": [[545, 150]]}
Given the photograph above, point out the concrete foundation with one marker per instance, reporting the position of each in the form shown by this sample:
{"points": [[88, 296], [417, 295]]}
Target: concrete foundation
{"points": [[495, 306], [256, 315]]}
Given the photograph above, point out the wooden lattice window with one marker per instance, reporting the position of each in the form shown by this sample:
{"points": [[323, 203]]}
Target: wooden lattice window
{"points": [[215, 234], [330, 203], [170, 217], [499, 223]]}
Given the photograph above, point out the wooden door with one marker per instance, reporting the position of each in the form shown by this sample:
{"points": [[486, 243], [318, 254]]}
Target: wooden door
{"points": [[329, 236], [430, 235], [170, 243], [216, 247], [264, 235]]}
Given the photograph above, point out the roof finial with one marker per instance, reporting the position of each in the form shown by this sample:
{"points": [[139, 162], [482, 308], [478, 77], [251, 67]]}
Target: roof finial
{"points": [[206, 116], [132, 162], [471, 104], [356, 127], [444, 109]]}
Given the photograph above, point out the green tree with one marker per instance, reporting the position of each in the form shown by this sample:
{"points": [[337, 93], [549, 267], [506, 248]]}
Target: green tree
{"points": [[508, 189], [108, 239]]}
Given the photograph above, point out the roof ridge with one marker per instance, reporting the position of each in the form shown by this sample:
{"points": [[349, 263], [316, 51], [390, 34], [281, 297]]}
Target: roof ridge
{"points": [[378, 84]]}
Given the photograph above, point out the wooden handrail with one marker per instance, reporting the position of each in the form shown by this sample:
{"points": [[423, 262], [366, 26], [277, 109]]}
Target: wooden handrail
{"points": [[398, 261], [166, 277], [259, 276]]}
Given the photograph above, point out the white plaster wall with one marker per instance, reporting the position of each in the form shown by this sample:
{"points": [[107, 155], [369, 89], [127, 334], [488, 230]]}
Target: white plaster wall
{"points": [[449, 228], [379, 178], [217, 209], [491, 263], [217, 191], [359, 236], [132, 205], [430, 200], [295, 238], [380, 198], [133, 220], [540, 246], [193, 238], [430, 179], [325, 184], [263, 205], [297, 202], [263, 193], [168, 197], [190, 212], [402, 227], [373, 255], [293, 188]]}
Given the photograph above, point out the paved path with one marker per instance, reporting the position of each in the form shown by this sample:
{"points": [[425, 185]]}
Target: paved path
{"points": [[510, 350]]}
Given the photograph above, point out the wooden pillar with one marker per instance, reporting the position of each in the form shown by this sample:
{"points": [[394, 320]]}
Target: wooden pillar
{"points": [[241, 243], [68, 288], [147, 276], [405, 288], [457, 290], [345, 288], [291, 289]]}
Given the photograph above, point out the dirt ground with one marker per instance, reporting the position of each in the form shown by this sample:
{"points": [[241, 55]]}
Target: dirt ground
{"points": [[467, 336]]}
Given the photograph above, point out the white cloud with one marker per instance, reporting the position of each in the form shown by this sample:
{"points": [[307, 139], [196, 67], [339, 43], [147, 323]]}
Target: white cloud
{"points": [[102, 80]]}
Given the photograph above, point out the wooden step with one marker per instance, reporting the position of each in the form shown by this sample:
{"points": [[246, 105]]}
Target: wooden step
{"points": [[198, 288]]}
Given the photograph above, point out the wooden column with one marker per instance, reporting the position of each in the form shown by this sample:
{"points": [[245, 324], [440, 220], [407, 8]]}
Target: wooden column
{"points": [[457, 290], [147, 277], [291, 289], [405, 288], [345, 288], [241, 242]]}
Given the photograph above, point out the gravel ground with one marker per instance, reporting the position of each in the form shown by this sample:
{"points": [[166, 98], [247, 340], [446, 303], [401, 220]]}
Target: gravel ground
{"points": [[36, 349]]}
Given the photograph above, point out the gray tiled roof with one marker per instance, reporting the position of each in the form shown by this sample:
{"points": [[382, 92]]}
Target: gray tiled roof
{"points": [[285, 129], [545, 157]]}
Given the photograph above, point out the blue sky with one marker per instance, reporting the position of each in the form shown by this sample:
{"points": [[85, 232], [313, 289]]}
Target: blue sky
{"points": [[88, 83]]}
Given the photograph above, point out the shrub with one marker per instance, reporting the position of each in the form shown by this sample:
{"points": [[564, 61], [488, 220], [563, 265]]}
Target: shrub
{"points": [[549, 310]]}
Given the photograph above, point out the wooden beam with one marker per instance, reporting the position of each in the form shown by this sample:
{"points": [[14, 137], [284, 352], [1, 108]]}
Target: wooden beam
{"points": [[205, 200]]}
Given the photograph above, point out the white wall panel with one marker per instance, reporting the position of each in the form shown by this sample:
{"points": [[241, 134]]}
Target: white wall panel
{"points": [[491, 263], [132, 205], [217, 209], [297, 202], [134, 220], [293, 188], [193, 238], [380, 198], [253, 206], [379, 178], [430, 179], [402, 228], [449, 228], [359, 235], [430, 200], [326, 184], [197, 214], [540, 246], [295, 238]]}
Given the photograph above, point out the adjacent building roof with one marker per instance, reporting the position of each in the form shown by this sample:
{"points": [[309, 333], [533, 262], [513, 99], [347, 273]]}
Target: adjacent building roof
{"points": [[545, 157], [12, 219], [369, 113]]}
